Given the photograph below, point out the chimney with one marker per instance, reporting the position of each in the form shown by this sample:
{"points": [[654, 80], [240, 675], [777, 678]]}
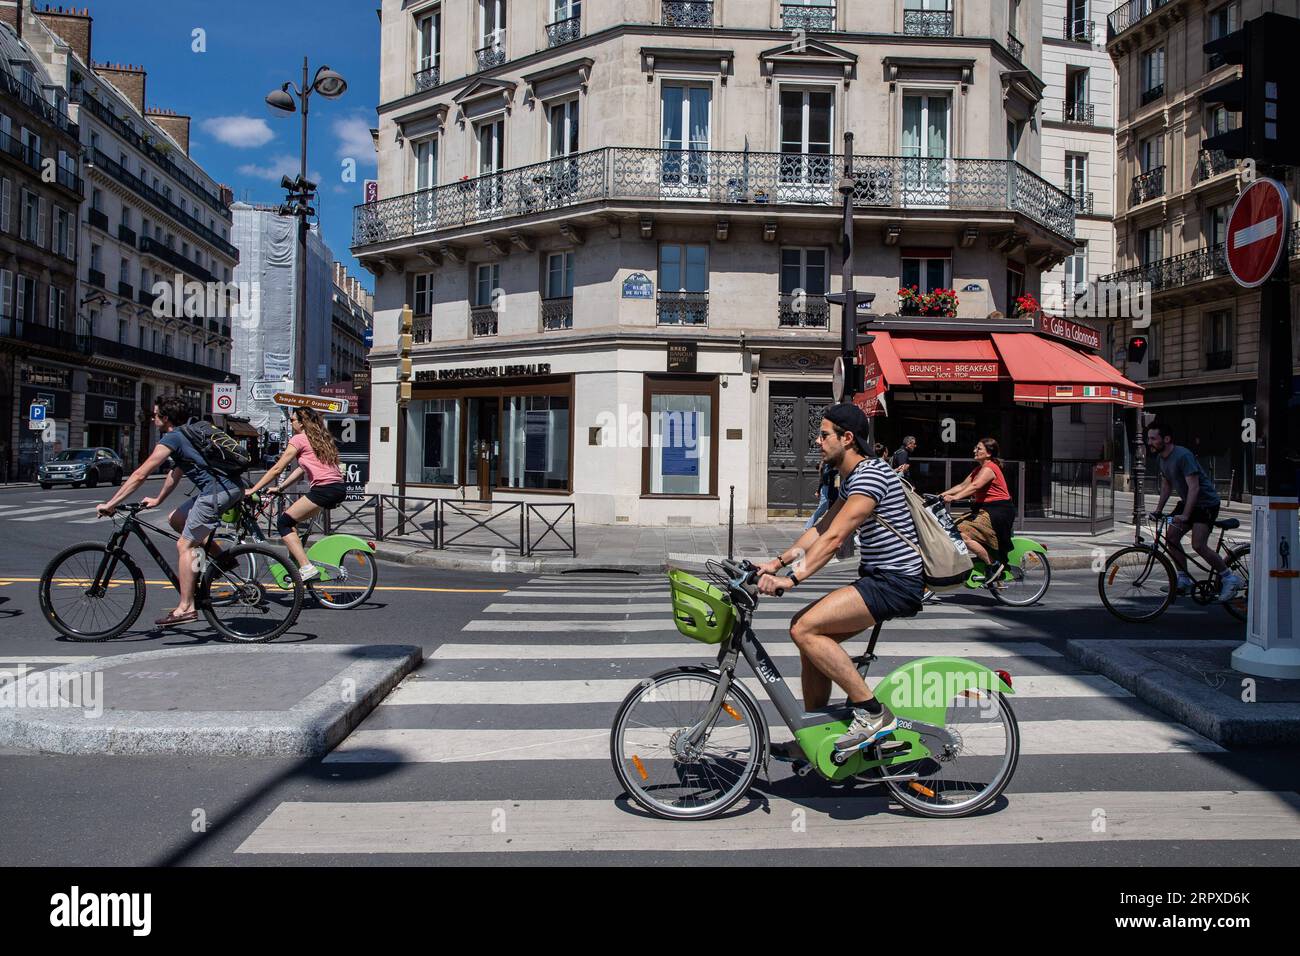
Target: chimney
{"points": [[174, 125], [129, 80], [71, 26]]}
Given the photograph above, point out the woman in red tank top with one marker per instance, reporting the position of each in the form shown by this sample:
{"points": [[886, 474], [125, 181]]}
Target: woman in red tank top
{"points": [[988, 527]]}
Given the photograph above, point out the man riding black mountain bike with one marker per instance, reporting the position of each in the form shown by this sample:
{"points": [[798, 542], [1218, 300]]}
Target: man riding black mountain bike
{"points": [[889, 585]]}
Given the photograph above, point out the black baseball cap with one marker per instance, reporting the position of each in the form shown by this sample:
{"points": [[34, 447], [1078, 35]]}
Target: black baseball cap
{"points": [[849, 418]]}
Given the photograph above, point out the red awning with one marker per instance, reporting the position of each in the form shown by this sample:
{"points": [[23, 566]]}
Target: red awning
{"points": [[1048, 371]]}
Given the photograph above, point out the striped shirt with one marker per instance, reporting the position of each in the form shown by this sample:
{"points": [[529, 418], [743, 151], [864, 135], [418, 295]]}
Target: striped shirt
{"points": [[878, 547]]}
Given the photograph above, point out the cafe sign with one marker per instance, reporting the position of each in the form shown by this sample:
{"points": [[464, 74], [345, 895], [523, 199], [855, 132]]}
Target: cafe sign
{"points": [[952, 371], [1072, 332], [482, 372]]}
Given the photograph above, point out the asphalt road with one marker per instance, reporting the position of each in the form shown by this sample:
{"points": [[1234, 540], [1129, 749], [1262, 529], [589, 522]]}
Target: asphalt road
{"points": [[496, 749]]}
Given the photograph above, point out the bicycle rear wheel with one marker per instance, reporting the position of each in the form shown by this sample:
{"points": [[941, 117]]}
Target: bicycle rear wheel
{"points": [[91, 594], [1137, 584], [250, 608], [1239, 563], [1025, 583], [353, 583], [661, 771]]}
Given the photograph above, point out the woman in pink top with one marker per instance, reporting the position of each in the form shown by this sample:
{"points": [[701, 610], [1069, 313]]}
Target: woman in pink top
{"points": [[312, 447]]}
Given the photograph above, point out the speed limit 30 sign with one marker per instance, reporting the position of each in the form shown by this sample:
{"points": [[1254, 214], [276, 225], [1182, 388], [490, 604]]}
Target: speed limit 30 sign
{"points": [[1257, 229], [223, 398]]}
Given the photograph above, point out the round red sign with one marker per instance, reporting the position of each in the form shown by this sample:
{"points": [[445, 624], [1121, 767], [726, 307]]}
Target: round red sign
{"points": [[1257, 228]]}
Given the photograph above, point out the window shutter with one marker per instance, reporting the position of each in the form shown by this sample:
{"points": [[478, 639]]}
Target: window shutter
{"points": [[40, 221]]}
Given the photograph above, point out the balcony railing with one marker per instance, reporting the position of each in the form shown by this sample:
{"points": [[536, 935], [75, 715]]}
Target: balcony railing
{"points": [[1084, 113], [1152, 94], [491, 56], [1016, 47], [145, 297], [133, 182], [426, 79], [927, 23], [684, 308], [563, 31], [1127, 14], [38, 104], [126, 233], [1083, 203], [687, 13], [618, 173], [152, 247], [107, 348], [64, 177], [1080, 31], [1212, 162], [422, 329], [1190, 267], [803, 312], [37, 334], [1147, 186], [1217, 361], [126, 290], [819, 18], [482, 321], [97, 219], [557, 314], [96, 278]]}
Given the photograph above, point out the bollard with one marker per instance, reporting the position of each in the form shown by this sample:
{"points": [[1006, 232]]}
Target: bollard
{"points": [[731, 526]]}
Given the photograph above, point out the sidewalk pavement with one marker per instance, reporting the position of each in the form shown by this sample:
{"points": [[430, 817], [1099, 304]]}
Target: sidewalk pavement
{"points": [[655, 549]]}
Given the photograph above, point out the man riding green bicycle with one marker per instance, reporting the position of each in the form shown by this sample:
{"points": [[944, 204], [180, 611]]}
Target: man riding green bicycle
{"points": [[889, 585]]}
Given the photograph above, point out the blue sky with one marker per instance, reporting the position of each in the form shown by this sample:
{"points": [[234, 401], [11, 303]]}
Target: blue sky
{"points": [[252, 48]]}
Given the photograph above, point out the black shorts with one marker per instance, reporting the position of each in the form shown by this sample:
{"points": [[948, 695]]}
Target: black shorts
{"points": [[890, 594], [328, 496], [1201, 514]]}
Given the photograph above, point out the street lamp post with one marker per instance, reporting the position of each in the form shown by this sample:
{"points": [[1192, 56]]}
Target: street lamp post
{"points": [[301, 193]]}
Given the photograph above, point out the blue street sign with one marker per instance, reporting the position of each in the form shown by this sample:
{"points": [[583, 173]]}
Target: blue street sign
{"points": [[38, 412], [369, 338]]}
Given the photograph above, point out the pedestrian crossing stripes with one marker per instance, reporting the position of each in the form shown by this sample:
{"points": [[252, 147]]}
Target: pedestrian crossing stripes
{"points": [[569, 826], [685, 649]]}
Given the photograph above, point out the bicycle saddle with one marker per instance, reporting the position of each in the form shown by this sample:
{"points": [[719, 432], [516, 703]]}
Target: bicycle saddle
{"points": [[1227, 524]]}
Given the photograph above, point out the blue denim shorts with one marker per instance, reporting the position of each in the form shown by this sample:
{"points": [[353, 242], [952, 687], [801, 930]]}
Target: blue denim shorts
{"points": [[890, 594]]}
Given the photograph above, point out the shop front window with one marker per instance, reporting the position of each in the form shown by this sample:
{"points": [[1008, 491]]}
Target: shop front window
{"points": [[679, 459], [433, 427], [536, 442]]}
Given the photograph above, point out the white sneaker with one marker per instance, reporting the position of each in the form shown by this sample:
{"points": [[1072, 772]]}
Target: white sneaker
{"points": [[308, 572], [1232, 583], [1184, 584]]}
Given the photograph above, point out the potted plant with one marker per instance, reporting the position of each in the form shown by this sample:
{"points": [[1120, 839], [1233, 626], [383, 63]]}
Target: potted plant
{"points": [[940, 302], [1027, 305], [760, 195], [909, 301]]}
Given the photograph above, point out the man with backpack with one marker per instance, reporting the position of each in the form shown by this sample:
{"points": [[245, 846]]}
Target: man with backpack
{"points": [[213, 463], [890, 580]]}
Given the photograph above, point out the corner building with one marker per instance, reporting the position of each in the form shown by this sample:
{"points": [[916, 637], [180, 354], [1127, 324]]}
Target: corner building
{"points": [[616, 224]]}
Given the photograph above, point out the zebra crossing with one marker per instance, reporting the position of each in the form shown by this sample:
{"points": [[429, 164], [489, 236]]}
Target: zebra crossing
{"points": [[500, 744]]}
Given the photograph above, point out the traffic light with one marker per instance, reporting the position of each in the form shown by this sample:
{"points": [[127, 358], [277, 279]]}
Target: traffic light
{"points": [[1137, 349], [1264, 94], [405, 340]]}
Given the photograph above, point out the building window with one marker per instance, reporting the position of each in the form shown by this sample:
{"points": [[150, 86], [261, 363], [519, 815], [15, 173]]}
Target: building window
{"points": [[925, 126], [425, 152], [685, 134], [1222, 21], [1153, 74], [1153, 349], [1015, 130], [1076, 270], [432, 431], [26, 304], [804, 270], [564, 128], [492, 33], [95, 255], [1216, 224], [6, 300], [1015, 286], [1076, 176], [6, 202], [1151, 243], [1151, 153], [30, 216], [428, 28], [927, 269], [559, 275], [680, 458], [536, 434], [487, 281], [423, 297], [1218, 339], [683, 268], [807, 125], [62, 239]]}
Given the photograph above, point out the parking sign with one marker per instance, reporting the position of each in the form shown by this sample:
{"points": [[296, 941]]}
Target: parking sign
{"points": [[37, 413]]}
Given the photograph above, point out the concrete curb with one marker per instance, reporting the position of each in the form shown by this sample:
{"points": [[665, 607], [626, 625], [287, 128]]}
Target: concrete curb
{"points": [[311, 727], [1228, 722], [448, 561]]}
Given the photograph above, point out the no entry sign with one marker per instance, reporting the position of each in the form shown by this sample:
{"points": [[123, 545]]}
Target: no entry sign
{"points": [[1257, 228]]}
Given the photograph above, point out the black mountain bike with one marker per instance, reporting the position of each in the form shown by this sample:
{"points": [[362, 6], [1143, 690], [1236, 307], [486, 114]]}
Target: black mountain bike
{"points": [[94, 592]]}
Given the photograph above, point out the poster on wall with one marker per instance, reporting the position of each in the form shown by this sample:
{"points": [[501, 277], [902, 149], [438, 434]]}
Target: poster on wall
{"points": [[680, 453]]}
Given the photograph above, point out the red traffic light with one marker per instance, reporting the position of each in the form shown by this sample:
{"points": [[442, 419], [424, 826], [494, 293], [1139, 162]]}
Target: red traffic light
{"points": [[1137, 348]]}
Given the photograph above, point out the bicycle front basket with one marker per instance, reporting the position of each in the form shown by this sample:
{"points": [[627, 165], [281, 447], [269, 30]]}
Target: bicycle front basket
{"points": [[700, 611]]}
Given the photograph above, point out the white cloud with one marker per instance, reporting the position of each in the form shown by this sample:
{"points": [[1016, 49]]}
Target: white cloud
{"points": [[354, 138], [242, 132], [276, 167]]}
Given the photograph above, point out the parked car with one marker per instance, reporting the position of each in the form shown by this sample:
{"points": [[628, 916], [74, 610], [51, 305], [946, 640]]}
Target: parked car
{"points": [[82, 466]]}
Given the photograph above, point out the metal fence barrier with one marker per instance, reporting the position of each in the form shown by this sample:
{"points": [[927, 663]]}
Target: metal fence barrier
{"points": [[442, 523]]}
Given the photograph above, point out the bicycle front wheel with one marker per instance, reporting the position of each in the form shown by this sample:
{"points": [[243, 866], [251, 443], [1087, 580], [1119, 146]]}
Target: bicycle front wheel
{"points": [[250, 608], [1239, 563], [349, 583], [90, 593], [1024, 584], [662, 770], [1137, 584]]}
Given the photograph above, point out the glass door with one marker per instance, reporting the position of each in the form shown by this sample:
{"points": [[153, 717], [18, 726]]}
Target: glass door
{"points": [[426, 66], [686, 118], [561, 179], [806, 130], [491, 163], [483, 444], [925, 150], [426, 178]]}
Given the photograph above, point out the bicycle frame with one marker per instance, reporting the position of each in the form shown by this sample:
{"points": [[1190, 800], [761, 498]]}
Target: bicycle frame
{"points": [[132, 525], [1160, 545]]}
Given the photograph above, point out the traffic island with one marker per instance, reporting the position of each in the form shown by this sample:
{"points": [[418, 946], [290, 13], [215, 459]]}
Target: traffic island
{"points": [[262, 701], [1194, 682]]}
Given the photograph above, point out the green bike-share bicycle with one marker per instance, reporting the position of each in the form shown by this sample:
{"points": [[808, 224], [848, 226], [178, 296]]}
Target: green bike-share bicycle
{"points": [[688, 742]]}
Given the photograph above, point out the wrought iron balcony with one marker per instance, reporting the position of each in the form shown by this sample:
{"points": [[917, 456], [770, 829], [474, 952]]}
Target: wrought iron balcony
{"points": [[1084, 113], [126, 233], [482, 321], [563, 31], [1083, 203], [152, 247], [1147, 186], [1190, 267], [491, 56], [426, 79], [146, 297], [927, 23], [97, 219], [1152, 94], [1217, 361], [697, 14], [803, 312], [107, 348], [97, 278], [422, 329], [37, 104], [1127, 14], [1016, 47], [557, 314], [126, 290], [1212, 162], [684, 308], [1080, 31], [37, 334], [636, 174], [812, 18]]}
